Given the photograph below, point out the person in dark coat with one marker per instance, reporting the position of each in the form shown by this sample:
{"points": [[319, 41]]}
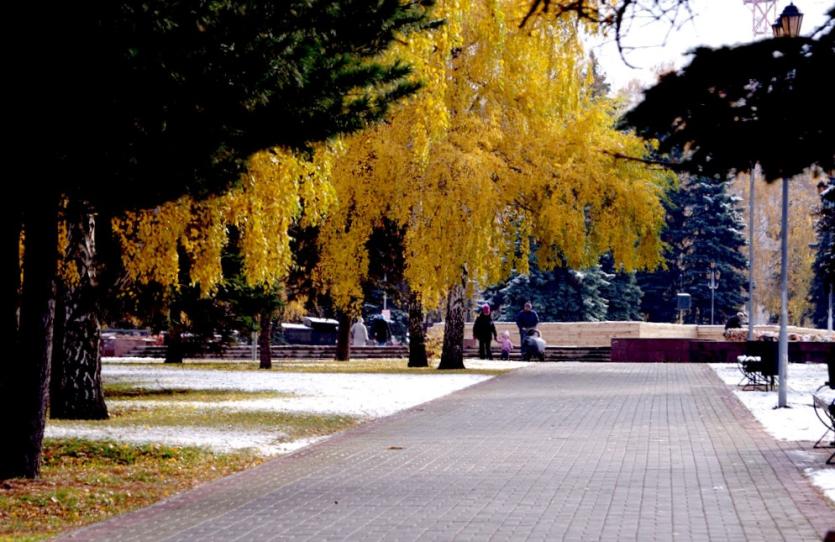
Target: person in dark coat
{"points": [[735, 321], [380, 331], [484, 331], [526, 319]]}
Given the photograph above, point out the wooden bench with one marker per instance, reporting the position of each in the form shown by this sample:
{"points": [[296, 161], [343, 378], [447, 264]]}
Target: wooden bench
{"points": [[758, 365], [825, 411]]}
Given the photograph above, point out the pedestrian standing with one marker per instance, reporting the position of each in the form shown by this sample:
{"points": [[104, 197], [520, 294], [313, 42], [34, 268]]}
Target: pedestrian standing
{"points": [[359, 333], [526, 319], [506, 344], [380, 331], [484, 331]]}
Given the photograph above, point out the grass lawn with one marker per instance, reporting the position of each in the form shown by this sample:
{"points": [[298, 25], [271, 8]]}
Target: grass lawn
{"points": [[84, 482]]}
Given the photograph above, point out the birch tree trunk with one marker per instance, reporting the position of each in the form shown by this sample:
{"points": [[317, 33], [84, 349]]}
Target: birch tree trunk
{"points": [[452, 356], [76, 387], [417, 337]]}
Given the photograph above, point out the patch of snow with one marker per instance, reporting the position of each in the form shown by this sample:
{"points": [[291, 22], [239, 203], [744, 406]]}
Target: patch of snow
{"points": [[214, 439], [825, 480], [495, 364], [128, 359], [367, 395], [351, 394], [796, 423]]}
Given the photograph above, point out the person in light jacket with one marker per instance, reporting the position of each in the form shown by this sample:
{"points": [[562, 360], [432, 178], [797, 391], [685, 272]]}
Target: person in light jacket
{"points": [[506, 344], [359, 333]]}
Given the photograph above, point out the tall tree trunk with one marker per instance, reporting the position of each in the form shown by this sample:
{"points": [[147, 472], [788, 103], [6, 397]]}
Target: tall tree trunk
{"points": [[174, 347], [9, 383], [343, 337], [56, 371], [417, 337], [26, 392], [76, 382], [11, 243], [174, 343], [265, 354], [452, 356]]}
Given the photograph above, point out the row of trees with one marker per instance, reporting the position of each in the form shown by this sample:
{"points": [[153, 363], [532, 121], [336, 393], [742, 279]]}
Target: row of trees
{"points": [[222, 116], [164, 98], [456, 174]]}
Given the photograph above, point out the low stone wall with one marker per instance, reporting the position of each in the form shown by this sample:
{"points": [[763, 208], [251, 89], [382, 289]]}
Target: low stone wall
{"points": [[698, 351], [118, 346], [602, 333]]}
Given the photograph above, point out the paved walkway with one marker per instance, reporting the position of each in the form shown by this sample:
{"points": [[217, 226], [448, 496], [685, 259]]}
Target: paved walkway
{"points": [[570, 452]]}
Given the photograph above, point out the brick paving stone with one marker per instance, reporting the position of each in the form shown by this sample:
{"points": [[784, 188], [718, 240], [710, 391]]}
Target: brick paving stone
{"points": [[565, 451]]}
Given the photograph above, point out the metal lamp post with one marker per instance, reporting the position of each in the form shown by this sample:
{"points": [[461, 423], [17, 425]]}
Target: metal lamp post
{"points": [[788, 26], [713, 284], [751, 253]]}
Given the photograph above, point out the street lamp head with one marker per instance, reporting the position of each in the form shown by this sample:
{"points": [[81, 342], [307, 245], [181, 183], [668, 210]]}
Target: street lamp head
{"points": [[777, 28], [790, 21]]}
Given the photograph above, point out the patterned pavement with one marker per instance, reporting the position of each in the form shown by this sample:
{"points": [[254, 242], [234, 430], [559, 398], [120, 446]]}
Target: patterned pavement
{"points": [[554, 451]]}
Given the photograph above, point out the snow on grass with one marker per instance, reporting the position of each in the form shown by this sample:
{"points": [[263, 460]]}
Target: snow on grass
{"points": [[364, 395], [225, 440], [361, 395], [797, 423]]}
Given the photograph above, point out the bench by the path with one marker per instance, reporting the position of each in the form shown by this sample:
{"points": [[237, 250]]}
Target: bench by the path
{"points": [[825, 410]]}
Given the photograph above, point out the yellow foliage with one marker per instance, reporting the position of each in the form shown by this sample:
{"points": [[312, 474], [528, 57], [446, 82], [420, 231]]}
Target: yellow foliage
{"points": [[505, 144], [278, 185]]}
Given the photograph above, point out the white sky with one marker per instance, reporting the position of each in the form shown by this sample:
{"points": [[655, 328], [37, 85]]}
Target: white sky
{"points": [[713, 23]]}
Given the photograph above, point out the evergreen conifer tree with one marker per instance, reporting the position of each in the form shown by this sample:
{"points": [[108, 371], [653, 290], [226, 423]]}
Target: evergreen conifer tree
{"points": [[561, 295], [824, 265], [704, 232], [622, 293]]}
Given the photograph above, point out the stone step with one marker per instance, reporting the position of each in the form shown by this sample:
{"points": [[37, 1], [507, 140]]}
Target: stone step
{"points": [[295, 351], [558, 353], [284, 351]]}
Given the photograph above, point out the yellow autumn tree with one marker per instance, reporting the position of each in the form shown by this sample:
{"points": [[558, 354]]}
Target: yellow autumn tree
{"points": [[505, 145], [279, 188]]}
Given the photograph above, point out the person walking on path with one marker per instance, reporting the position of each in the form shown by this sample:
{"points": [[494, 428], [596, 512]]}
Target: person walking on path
{"points": [[380, 331], [484, 330], [359, 333], [526, 319], [506, 344]]}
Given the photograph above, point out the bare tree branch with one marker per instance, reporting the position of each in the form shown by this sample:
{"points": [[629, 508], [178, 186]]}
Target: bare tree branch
{"points": [[619, 16]]}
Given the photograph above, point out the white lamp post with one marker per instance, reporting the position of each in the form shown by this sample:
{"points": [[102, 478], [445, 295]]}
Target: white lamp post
{"points": [[787, 25]]}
